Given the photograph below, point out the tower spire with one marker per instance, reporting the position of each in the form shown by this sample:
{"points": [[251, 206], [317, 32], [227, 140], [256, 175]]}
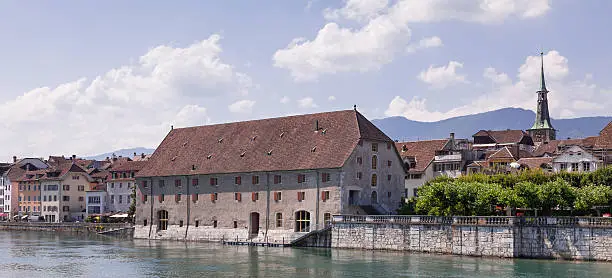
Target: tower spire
{"points": [[542, 82]]}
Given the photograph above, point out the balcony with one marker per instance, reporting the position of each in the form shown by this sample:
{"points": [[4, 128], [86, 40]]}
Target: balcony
{"points": [[447, 157]]}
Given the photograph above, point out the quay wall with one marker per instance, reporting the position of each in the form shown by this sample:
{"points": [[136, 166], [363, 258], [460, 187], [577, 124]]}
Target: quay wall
{"points": [[66, 227], [572, 238]]}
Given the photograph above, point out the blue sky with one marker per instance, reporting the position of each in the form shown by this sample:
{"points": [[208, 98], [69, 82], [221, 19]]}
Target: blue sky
{"points": [[86, 77]]}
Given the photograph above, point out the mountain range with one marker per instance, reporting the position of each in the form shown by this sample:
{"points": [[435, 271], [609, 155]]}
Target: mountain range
{"points": [[402, 129], [122, 152]]}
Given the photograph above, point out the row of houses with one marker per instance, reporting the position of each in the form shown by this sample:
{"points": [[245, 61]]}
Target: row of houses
{"points": [[60, 189], [501, 151]]}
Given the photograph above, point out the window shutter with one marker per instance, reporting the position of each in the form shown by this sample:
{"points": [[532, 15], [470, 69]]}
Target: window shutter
{"points": [[239, 196], [212, 197], [160, 198], [253, 196], [194, 197], [142, 198], [323, 195]]}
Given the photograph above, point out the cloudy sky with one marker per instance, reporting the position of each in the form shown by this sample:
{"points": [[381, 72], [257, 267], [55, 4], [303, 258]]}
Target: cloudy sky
{"points": [[84, 77]]}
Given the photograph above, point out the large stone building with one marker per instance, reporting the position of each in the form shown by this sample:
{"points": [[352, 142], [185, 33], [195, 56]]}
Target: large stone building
{"points": [[542, 130], [267, 180]]}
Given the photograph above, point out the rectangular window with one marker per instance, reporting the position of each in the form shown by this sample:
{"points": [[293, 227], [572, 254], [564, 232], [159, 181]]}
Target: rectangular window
{"points": [[66, 187], [194, 197], [120, 185], [66, 198], [325, 177], [279, 220], [301, 178], [574, 167], [177, 183], [235, 224], [374, 147], [120, 199], [144, 222], [162, 183], [160, 198], [177, 197], [214, 196], [65, 208], [214, 223], [415, 192], [254, 196], [81, 198], [255, 179], [586, 166], [55, 198], [238, 196], [277, 196], [238, 180], [359, 160], [359, 175], [563, 166], [277, 179], [145, 184], [195, 182], [389, 177], [81, 188], [324, 195], [301, 196], [197, 223], [388, 163], [214, 181], [144, 198]]}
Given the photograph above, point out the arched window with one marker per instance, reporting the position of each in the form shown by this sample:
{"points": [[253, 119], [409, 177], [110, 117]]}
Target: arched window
{"points": [[279, 220], [163, 220], [374, 161], [374, 180], [302, 221], [374, 197]]}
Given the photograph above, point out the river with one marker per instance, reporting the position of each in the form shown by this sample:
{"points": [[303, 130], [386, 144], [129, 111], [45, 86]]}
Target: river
{"points": [[44, 254]]}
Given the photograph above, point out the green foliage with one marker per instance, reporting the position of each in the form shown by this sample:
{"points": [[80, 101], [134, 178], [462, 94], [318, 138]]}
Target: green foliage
{"points": [[408, 207], [557, 193], [590, 196], [458, 198]]}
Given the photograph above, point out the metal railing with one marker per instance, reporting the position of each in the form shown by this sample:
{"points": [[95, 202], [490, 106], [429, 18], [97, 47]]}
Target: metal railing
{"points": [[577, 221]]}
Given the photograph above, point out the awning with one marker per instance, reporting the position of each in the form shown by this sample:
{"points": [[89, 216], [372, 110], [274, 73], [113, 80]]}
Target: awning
{"points": [[25, 217], [3, 214], [123, 215]]}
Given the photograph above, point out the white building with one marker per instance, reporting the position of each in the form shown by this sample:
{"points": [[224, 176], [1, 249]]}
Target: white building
{"points": [[575, 159], [96, 202]]}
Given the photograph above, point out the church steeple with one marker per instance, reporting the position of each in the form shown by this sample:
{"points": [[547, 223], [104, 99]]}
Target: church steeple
{"points": [[542, 130], [542, 81]]}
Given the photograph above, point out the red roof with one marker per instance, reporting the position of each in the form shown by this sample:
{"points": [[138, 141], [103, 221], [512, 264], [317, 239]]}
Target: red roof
{"points": [[287, 143], [604, 140], [503, 136], [535, 162], [129, 166], [422, 151], [502, 153]]}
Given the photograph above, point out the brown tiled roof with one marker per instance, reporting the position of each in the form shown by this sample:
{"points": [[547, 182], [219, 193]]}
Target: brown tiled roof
{"points": [[502, 153], [129, 166], [478, 163], [422, 151], [604, 140], [503, 136], [551, 147], [287, 143], [534, 162]]}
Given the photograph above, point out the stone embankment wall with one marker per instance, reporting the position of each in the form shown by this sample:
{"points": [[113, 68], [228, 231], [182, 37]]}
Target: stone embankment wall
{"points": [[574, 238], [66, 227]]}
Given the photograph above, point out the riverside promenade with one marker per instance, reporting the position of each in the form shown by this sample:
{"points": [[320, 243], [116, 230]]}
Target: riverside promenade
{"points": [[572, 238]]}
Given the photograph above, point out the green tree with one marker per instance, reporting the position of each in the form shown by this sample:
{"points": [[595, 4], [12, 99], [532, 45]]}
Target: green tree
{"points": [[590, 196], [132, 209], [557, 193]]}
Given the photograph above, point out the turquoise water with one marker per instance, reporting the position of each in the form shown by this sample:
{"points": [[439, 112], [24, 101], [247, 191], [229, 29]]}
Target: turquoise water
{"points": [[39, 254]]}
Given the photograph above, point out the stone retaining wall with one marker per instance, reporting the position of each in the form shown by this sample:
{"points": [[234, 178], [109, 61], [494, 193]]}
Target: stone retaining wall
{"points": [[508, 237]]}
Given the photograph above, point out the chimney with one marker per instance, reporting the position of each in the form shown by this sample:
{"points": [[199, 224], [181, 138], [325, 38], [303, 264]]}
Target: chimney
{"points": [[316, 125], [73, 156], [14, 158], [452, 136], [134, 154], [142, 155]]}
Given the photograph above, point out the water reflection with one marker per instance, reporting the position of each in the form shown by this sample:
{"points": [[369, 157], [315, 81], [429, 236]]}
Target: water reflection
{"points": [[37, 254]]}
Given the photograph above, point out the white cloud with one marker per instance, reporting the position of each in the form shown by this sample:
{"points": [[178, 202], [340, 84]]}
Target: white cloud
{"points": [[131, 105], [307, 102], [443, 76], [331, 98], [567, 98], [424, 43], [285, 100], [358, 10], [242, 106], [382, 31]]}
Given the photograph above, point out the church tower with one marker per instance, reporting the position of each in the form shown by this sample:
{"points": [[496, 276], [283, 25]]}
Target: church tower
{"points": [[542, 130]]}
